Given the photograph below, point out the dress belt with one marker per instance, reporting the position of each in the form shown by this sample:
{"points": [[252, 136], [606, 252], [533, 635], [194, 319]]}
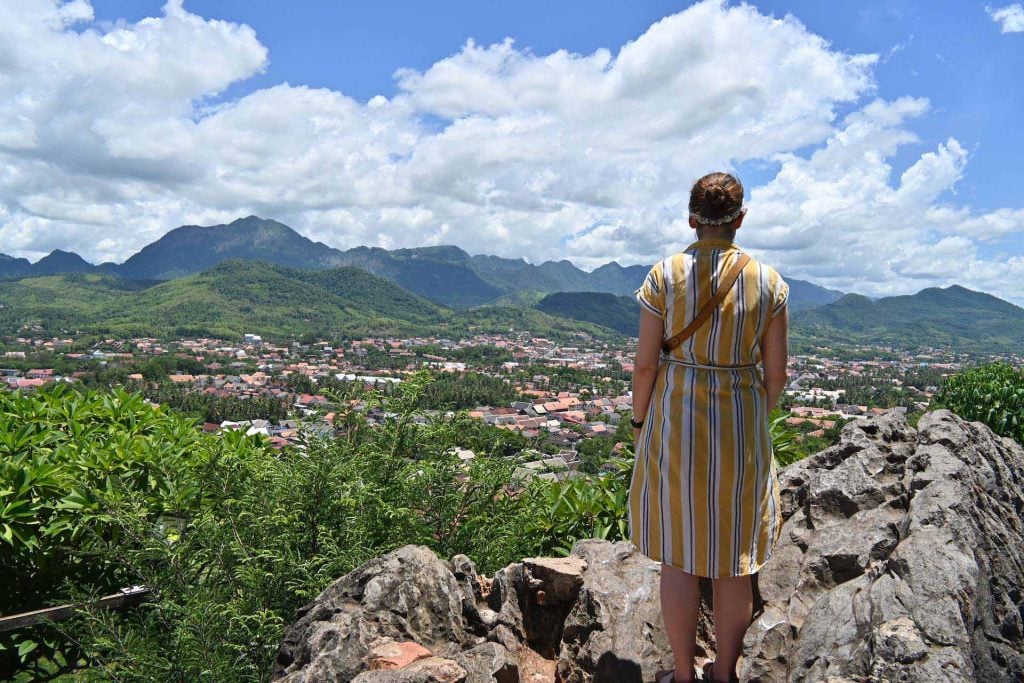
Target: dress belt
{"points": [[688, 364]]}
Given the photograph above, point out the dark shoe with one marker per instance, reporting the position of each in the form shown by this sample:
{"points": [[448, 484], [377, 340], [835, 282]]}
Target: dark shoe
{"points": [[709, 677]]}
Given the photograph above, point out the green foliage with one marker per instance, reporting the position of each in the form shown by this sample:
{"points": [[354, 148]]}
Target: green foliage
{"points": [[620, 313], [236, 296], [582, 507], [785, 441], [993, 394], [101, 491], [63, 456], [467, 391]]}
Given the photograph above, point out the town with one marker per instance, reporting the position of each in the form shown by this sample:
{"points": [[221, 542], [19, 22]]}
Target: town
{"points": [[569, 404]]}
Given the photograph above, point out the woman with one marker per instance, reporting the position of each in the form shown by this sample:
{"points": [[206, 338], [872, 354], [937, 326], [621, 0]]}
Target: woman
{"points": [[704, 498]]}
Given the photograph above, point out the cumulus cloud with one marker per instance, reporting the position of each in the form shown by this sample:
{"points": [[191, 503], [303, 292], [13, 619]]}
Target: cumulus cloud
{"points": [[1009, 18], [112, 135]]}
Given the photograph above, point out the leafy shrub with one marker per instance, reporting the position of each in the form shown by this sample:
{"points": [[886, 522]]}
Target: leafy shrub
{"points": [[581, 507], [102, 491], [785, 442], [993, 394], [61, 452]]}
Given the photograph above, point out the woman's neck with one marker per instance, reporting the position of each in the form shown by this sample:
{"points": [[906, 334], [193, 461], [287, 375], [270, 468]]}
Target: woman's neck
{"points": [[717, 233]]}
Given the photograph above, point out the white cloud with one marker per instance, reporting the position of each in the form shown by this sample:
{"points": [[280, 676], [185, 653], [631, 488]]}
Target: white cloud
{"points": [[1010, 18], [110, 136]]}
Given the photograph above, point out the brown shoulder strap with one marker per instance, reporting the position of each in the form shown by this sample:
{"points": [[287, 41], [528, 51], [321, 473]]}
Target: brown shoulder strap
{"points": [[709, 306]]}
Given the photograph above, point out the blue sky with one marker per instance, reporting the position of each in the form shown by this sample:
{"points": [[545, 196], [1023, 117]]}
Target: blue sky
{"points": [[948, 51], [879, 141]]}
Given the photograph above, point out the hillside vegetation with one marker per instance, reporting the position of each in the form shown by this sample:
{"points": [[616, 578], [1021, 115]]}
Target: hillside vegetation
{"points": [[237, 296], [617, 312], [935, 317]]}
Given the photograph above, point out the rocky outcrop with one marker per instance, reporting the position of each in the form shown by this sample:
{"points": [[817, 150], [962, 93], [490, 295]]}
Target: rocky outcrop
{"points": [[902, 559]]}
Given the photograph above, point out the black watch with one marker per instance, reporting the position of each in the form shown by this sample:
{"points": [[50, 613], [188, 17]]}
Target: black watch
{"points": [[636, 425]]}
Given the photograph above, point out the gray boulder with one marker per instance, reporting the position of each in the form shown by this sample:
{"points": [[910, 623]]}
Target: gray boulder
{"points": [[408, 594], [901, 559]]}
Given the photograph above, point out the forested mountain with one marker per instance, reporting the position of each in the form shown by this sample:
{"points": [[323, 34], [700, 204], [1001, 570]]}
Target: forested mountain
{"points": [[192, 249], [952, 316], [238, 296], [804, 295], [444, 274], [620, 313]]}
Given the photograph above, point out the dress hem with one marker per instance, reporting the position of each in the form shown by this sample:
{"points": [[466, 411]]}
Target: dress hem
{"points": [[756, 569]]}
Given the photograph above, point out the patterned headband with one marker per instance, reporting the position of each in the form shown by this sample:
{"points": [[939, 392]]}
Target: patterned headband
{"points": [[717, 221]]}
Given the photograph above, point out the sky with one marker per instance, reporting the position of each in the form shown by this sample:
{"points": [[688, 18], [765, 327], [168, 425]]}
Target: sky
{"points": [[879, 142]]}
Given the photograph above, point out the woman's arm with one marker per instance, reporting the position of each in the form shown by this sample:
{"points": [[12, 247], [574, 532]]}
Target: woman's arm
{"points": [[645, 366], [775, 353]]}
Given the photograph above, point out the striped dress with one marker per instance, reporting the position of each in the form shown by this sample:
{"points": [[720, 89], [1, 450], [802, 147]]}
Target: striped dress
{"points": [[703, 495]]}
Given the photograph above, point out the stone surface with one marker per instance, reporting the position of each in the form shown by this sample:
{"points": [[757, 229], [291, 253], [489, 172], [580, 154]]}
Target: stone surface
{"points": [[426, 670], [904, 559], [389, 654], [615, 630], [901, 559], [409, 594]]}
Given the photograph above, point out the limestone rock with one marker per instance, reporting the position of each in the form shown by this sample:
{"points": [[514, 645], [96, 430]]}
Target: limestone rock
{"points": [[407, 595], [905, 559], [615, 630]]}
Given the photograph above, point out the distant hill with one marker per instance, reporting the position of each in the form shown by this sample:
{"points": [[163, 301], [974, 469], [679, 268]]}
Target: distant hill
{"points": [[238, 296], [14, 267], [804, 295], [620, 313], [952, 316], [192, 249], [444, 274]]}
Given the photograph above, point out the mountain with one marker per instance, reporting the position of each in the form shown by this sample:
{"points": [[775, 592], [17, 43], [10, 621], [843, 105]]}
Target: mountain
{"points": [[14, 267], [934, 317], [441, 274], [444, 274], [237, 296], [620, 279], [804, 295], [620, 313], [192, 249], [58, 261]]}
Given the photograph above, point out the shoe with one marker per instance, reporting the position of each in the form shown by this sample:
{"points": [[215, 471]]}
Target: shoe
{"points": [[668, 676], [709, 667]]}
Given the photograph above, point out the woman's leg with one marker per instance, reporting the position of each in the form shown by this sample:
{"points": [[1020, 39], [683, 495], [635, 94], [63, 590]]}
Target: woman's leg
{"points": [[733, 608], [680, 600]]}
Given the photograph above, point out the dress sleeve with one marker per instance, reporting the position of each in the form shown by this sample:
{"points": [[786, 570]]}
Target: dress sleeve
{"points": [[651, 294], [780, 296]]}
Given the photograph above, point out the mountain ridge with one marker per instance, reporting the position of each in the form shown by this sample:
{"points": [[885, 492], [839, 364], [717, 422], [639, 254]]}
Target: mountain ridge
{"points": [[445, 274], [240, 295]]}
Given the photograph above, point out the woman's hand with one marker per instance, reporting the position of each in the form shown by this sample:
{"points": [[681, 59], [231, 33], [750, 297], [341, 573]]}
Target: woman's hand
{"points": [[636, 437]]}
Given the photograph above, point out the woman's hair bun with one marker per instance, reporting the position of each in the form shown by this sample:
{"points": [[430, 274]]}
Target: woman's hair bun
{"points": [[716, 195]]}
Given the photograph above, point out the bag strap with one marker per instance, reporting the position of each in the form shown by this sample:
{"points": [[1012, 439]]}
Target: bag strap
{"points": [[709, 306]]}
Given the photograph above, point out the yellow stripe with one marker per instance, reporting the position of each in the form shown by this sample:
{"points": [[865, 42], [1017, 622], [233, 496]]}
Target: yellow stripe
{"points": [[676, 516]]}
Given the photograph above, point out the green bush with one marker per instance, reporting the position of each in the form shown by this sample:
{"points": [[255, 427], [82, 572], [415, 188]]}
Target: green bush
{"points": [[993, 394], [581, 507], [101, 491]]}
